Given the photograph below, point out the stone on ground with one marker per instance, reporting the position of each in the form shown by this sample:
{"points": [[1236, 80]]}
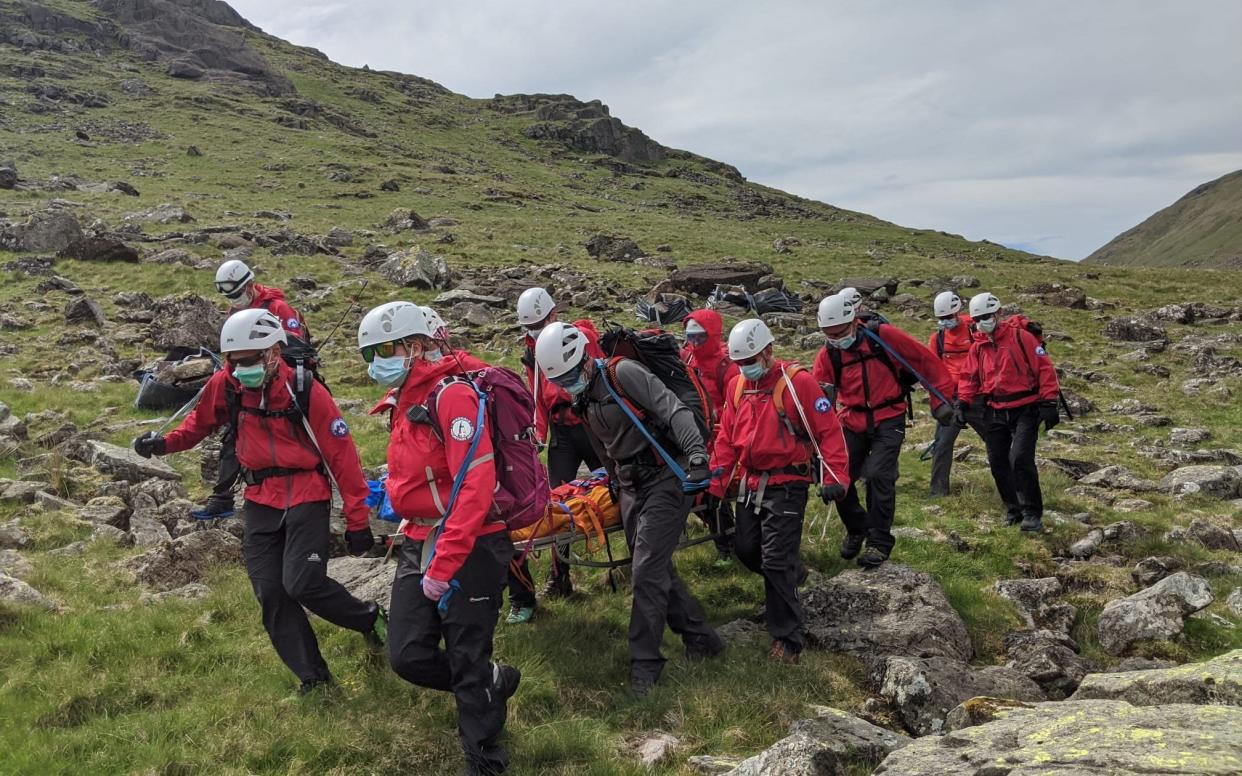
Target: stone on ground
{"points": [[1158, 612], [924, 691], [15, 591], [178, 563], [369, 579], [1217, 681], [826, 745]]}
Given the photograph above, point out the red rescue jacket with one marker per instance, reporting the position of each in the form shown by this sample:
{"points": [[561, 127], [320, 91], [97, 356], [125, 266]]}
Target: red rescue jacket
{"points": [[1010, 367], [273, 300], [956, 346], [754, 439], [716, 369], [423, 463], [282, 443], [551, 401], [867, 382]]}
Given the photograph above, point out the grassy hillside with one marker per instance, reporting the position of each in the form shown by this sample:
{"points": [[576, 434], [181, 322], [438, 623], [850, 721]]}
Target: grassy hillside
{"points": [[109, 684], [1202, 229]]}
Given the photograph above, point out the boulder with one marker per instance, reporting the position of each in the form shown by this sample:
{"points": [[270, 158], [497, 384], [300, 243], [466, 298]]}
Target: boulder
{"points": [[868, 286], [1082, 738], [99, 249], [106, 510], [1222, 482], [892, 610], [829, 744], [84, 311], [160, 491], [160, 214], [14, 564], [1149, 571], [1189, 436], [13, 536], [702, 279], [1088, 545], [1234, 602], [123, 463], [1119, 478], [46, 231], [368, 579], [21, 491], [1048, 658], [185, 320], [610, 247], [416, 268], [1155, 613], [145, 530], [655, 748], [1212, 535], [15, 591], [195, 591], [1036, 602], [183, 560], [1217, 681], [8, 176], [925, 690], [1134, 330], [403, 220]]}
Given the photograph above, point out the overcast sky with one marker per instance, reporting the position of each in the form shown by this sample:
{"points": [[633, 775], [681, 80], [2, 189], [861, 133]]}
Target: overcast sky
{"points": [[1048, 126]]}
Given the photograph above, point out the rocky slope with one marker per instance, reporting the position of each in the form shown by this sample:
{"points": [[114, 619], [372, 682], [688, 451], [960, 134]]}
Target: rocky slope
{"points": [[1202, 229]]}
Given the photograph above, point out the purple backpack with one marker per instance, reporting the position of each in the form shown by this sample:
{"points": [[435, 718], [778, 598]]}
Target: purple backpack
{"points": [[523, 492]]}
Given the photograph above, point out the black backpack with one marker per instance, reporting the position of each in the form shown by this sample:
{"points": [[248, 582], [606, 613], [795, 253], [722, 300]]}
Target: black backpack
{"points": [[659, 352]]}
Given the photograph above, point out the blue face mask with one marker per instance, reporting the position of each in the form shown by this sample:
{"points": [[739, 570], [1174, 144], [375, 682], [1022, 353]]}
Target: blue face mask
{"points": [[388, 371], [432, 356], [844, 343], [576, 387], [754, 372], [947, 323]]}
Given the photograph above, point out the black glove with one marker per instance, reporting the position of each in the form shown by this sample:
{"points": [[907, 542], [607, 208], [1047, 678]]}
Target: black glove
{"points": [[831, 493], [944, 414], [1049, 414], [697, 470], [360, 541], [959, 413], [149, 444]]}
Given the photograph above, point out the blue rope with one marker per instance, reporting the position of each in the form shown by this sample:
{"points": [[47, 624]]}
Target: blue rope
{"points": [[930, 388]]}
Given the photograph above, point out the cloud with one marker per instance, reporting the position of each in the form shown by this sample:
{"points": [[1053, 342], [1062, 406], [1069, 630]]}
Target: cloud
{"points": [[1054, 124]]}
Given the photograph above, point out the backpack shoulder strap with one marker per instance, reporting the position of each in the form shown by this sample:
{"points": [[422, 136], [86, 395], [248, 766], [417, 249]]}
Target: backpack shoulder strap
{"points": [[232, 402], [778, 393], [834, 357], [940, 343], [614, 382], [740, 388]]}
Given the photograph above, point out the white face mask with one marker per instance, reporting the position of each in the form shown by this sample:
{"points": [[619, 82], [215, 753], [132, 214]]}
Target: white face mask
{"points": [[946, 323], [988, 326]]}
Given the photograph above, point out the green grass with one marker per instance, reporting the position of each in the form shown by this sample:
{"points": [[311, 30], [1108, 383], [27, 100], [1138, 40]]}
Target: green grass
{"points": [[108, 685]]}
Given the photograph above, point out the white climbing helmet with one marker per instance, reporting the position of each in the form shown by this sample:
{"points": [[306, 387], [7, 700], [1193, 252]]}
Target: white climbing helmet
{"points": [[748, 338], [946, 303], [392, 321], [983, 304], [437, 326], [559, 349], [851, 295], [534, 305], [232, 278], [253, 329], [835, 310]]}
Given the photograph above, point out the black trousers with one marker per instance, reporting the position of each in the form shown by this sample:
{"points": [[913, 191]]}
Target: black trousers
{"points": [[873, 457], [1010, 437], [287, 560], [228, 472], [942, 456], [463, 666], [654, 511], [768, 538], [568, 448]]}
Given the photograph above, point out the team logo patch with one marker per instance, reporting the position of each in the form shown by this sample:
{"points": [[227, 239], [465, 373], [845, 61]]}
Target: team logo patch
{"points": [[822, 404], [292, 323], [1039, 351], [461, 429], [339, 428]]}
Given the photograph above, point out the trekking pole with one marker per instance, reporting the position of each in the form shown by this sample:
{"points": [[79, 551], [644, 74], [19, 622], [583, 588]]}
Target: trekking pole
{"points": [[352, 304], [184, 409], [929, 450]]}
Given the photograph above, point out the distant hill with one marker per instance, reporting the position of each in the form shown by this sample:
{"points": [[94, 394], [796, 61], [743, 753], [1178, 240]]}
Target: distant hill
{"points": [[1202, 229]]}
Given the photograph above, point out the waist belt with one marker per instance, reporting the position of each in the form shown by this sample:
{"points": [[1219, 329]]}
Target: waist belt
{"points": [[797, 470], [644, 458], [873, 407], [256, 476], [1008, 397]]}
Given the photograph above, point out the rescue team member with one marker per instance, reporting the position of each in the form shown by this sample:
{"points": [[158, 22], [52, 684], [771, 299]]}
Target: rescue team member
{"points": [[873, 401], [705, 353], [653, 504], [287, 467], [452, 560], [569, 445], [772, 445], [235, 281], [951, 343], [1009, 367]]}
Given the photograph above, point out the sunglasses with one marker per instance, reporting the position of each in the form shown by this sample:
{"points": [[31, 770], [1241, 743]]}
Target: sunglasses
{"points": [[696, 339], [247, 360], [747, 361], [984, 317], [231, 289], [383, 350]]}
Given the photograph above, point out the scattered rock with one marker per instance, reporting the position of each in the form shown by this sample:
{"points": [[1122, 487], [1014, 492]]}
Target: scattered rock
{"points": [[1134, 330], [185, 320], [1234, 602], [1189, 436], [15, 591], [13, 536], [711, 765], [1212, 535], [1082, 737], [828, 744], [166, 213], [1149, 571], [1050, 659], [456, 296], [608, 247], [1036, 602], [924, 690], [892, 610], [368, 579], [178, 563], [106, 510], [47, 231], [1155, 613], [652, 749], [1119, 478], [390, 185], [84, 310], [1088, 545], [8, 177], [195, 591], [1217, 681], [13, 564], [146, 531], [403, 220], [1221, 482], [416, 269], [123, 463]]}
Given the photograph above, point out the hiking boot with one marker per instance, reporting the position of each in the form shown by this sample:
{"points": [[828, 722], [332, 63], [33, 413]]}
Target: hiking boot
{"points": [[852, 545], [311, 689], [377, 637], [705, 649], [872, 558], [641, 686], [1032, 525], [1013, 518], [557, 587], [782, 653], [520, 614], [214, 510], [506, 679]]}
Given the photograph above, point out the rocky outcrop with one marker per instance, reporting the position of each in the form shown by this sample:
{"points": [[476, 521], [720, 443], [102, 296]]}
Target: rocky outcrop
{"points": [[46, 231], [15, 591], [178, 563], [123, 463], [1217, 681], [1159, 612], [924, 691], [185, 320], [1083, 738], [1036, 602], [829, 744], [1222, 482], [702, 279], [416, 268], [369, 579], [1048, 658]]}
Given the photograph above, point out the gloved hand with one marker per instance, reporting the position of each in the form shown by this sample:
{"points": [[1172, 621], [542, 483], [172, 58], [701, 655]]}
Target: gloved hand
{"points": [[149, 444], [434, 588], [831, 493], [697, 470], [1050, 414], [360, 541], [944, 414], [959, 413]]}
